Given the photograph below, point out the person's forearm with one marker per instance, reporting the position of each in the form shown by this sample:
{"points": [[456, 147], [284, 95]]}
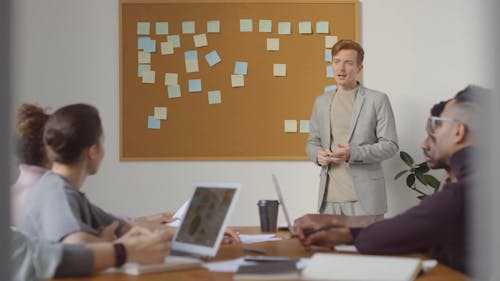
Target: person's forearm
{"points": [[104, 256]]}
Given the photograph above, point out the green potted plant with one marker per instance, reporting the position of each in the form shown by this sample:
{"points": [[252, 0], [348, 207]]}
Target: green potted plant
{"points": [[417, 172]]}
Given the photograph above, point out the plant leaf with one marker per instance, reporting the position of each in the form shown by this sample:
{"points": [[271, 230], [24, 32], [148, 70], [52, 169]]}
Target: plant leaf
{"points": [[421, 178], [422, 167], [435, 183], [410, 180], [398, 175], [406, 158]]}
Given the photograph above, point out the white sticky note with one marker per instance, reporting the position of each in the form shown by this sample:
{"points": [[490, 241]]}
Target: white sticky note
{"points": [[144, 57], [174, 91], [305, 27], [188, 27], [304, 126], [167, 48], [143, 28], [214, 97], [141, 68], [161, 28], [237, 80], [171, 79], [246, 25], [192, 66], [330, 41], [148, 77], [200, 40], [175, 40], [265, 25], [213, 26], [279, 69], [284, 27], [290, 126], [161, 113], [273, 44], [322, 27]]}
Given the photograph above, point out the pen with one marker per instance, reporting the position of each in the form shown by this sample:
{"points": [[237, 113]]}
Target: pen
{"points": [[252, 250], [323, 228]]}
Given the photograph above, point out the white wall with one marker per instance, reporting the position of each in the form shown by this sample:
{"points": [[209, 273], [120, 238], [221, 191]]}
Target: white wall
{"points": [[418, 51]]}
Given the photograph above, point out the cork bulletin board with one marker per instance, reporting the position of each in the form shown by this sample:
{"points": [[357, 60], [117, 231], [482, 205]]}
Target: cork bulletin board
{"points": [[241, 85]]}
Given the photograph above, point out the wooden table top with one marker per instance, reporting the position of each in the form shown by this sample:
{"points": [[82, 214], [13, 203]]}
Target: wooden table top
{"points": [[285, 247]]}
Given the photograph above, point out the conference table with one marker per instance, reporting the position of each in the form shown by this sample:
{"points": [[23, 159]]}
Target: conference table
{"points": [[285, 247]]}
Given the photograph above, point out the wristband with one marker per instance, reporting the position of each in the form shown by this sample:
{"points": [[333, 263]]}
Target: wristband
{"points": [[120, 254]]}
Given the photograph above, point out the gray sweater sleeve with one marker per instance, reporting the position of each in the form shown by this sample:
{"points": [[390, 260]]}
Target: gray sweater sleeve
{"points": [[76, 261]]}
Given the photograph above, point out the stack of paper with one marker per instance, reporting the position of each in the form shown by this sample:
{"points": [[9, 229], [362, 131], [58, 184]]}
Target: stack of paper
{"points": [[360, 267]]}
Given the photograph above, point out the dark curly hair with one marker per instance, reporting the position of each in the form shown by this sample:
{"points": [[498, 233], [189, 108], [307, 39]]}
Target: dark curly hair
{"points": [[30, 123]]}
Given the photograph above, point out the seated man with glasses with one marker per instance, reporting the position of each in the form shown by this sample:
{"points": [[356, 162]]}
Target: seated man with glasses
{"points": [[436, 224]]}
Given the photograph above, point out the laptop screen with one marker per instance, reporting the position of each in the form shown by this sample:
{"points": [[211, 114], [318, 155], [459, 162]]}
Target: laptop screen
{"points": [[205, 215]]}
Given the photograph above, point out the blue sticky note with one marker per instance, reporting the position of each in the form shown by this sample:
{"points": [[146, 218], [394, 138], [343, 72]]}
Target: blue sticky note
{"points": [[330, 88], [153, 123], [212, 58], [241, 67], [146, 44], [194, 85], [329, 71], [191, 55], [328, 55]]}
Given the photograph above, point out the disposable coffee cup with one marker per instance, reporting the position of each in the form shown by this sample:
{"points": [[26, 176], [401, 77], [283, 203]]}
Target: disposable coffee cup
{"points": [[268, 213]]}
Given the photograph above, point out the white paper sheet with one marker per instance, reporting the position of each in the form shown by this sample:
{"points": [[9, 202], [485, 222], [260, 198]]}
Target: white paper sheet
{"points": [[257, 238]]}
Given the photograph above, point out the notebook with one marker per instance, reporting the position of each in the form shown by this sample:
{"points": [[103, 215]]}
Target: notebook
{"points": [[361, 268], [282, 202], [268, 271], [200, 232]]}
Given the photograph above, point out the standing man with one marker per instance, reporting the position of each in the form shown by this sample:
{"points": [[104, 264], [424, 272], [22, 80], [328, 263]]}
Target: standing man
{"points": [[438, 223], [352, 130]]}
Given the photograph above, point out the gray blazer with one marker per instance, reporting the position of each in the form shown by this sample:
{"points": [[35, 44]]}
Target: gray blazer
{"points": [[372, 138]]}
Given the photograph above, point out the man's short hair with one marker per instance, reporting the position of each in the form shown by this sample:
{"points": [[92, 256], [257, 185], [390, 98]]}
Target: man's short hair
{"points": [[471, 106], [438, 108], [349, 45]]}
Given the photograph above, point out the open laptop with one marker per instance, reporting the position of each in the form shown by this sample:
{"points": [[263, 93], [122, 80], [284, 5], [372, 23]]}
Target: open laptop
{"points": [[201, 229], [282, 203]]}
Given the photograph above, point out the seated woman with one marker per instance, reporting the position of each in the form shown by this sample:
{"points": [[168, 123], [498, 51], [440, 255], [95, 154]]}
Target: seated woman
{"points": [[56, 209], [33, 160]]}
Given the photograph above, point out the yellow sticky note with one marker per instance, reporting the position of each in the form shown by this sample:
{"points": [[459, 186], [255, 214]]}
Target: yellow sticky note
{"points": [[171, 79], [148, 77], [144, 57], [305, 27], [290, 126], [273, 44], [304, 126], [200, 40], [167, 48], [192, 66], [237, 80], [279, 69], [330, 41], [161, 113]]}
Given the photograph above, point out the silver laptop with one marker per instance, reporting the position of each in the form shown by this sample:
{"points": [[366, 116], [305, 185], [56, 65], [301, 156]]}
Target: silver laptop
{"points": [[282, 203], [202, 228]]}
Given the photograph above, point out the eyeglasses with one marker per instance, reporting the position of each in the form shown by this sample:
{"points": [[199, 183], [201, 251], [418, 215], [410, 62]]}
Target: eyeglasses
{"points": [[434, 122]]}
